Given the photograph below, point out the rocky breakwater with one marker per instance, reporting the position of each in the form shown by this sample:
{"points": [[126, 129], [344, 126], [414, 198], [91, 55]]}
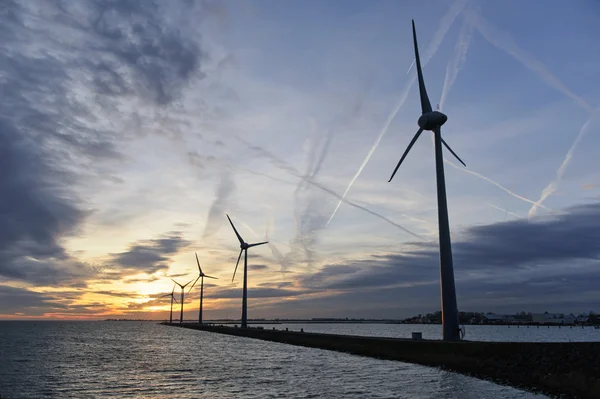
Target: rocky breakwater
{"points": [[558, 369]]}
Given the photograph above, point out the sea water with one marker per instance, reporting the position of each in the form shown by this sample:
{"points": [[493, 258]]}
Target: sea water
{"points": [[103, 359]]}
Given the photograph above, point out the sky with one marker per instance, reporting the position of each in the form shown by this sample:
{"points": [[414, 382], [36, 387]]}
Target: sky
{"points": [[129, 129]]}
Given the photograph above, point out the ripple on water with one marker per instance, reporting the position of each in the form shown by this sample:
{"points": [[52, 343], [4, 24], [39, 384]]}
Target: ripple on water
{"points": [[146, 360]]}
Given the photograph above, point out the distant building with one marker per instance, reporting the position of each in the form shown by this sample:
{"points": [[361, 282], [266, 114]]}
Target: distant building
{"points": [[553, 318], [499, 318]]}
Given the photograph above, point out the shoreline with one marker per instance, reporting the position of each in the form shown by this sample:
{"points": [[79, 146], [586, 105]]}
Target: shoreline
{"points": [[551, 368]]}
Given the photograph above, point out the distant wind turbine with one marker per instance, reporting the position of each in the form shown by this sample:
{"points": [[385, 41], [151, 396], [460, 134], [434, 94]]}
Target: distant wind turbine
{"points": [[201, 276], [172, 299], [433, 121], [182, 294], [243, 248]]}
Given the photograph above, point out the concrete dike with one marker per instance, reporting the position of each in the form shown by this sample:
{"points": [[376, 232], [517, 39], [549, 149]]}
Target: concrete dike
{"points": [[561, 369]]}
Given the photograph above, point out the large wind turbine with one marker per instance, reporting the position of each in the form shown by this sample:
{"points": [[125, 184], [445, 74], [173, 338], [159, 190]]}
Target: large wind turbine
{"points": [[182, 292], [433, 121], [201, 276], [172, 299], [243, 248]]}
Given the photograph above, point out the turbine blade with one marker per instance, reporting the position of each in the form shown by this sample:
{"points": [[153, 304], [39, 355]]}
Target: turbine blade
{"points": [[183, 286], [162, 296], [453, 153], [425, 104], [177, 284], [258, 243], [236, 265], [198, 278], [175, 299], [236, 232], [216, 278], [412, 142], [198, 262]]}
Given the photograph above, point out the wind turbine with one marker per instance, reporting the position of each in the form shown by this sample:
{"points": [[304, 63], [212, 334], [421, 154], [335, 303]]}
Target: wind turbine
{"points": [[433, 121], [201, 276], [243, 248], [172, 299], [182, 292]]}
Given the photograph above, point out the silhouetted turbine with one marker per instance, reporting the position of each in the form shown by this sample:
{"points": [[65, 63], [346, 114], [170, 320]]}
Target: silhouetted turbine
{"points": [[201, 276], [433, 121], [243, 248], [172, 299], [182, 292]]}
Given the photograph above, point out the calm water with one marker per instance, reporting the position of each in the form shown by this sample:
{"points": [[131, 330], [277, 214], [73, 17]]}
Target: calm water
{"points": [[432, 331], [146, 360]]}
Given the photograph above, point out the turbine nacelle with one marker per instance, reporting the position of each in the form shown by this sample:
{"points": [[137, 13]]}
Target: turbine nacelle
{"points": [[244, 245], [432, 120]]}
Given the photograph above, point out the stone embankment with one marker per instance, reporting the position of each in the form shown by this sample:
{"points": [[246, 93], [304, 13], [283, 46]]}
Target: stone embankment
{"points": [[562, 369]]}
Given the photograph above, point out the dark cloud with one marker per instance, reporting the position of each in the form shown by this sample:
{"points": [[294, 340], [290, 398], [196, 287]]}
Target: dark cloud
{"points": [[23, 301], [14, 300], [255, 293], [525, 261], [258, 267], [36, 207], [67, 67], [116, 294], [150, 256]]}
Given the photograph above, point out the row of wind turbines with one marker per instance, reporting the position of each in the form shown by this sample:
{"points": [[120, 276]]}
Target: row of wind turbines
{"points": [[243, 249], [429, 120]]}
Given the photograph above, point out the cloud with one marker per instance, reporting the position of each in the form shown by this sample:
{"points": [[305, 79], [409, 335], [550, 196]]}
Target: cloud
{"points": [[506, 258], [258, 267], [216, 213], [37, 209], [116, 294], [69, 69], [150, 256], [16, 301], [255, 293]]}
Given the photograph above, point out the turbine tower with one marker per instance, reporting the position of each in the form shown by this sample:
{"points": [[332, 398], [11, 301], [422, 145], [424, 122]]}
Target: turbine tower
{"points": [[201, 276], [243, 248], [182, 292], [172, 299], [433, 121]]}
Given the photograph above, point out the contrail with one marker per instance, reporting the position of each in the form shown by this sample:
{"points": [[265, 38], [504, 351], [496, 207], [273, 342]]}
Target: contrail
{"points": [[223, 193], [503, 41], [553, 185], [456, 64], [276, 253], [493, 182], [504, 210], [445, 24], [308, 211], [447, 20], [294, 172], [412, 64]]}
